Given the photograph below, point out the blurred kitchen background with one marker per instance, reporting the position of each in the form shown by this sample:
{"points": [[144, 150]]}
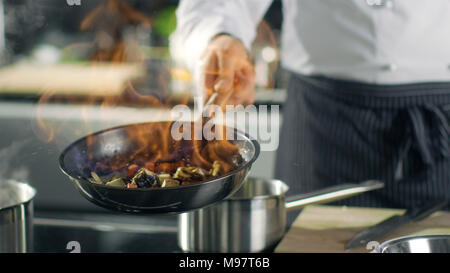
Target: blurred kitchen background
{"points": [[72, 67]]}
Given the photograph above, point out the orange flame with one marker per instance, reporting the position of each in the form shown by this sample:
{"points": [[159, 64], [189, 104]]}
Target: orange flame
{"points": [[156, 150]]}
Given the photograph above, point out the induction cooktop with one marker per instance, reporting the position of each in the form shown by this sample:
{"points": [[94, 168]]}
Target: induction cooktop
{"points": [[104, 233]]}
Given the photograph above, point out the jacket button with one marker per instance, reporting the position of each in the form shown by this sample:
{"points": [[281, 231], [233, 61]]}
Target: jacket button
{"points": [[389, 4], [380, 3], [390, 67], [373, 3]]}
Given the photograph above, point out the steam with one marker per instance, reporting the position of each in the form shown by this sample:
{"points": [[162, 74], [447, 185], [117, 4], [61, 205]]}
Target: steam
{"points": [[24, 18], [8, 170], [8, 166]]}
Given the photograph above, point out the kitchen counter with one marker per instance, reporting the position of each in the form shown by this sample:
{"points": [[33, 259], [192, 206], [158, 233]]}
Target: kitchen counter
{"points": [[326, 229]]}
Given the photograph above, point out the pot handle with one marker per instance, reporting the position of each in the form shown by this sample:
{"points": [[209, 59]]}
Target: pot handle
{"points": [[331, 194]]}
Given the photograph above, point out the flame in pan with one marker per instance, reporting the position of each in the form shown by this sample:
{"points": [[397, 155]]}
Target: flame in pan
{"points": [[154, 144]]}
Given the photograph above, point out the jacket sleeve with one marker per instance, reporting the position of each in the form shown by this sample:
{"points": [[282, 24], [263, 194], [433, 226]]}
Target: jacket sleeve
{"points": [[198, 21]]}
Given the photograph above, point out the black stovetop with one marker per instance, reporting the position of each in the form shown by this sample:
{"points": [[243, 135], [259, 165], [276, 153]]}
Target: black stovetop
{"points": [[104, 233]]}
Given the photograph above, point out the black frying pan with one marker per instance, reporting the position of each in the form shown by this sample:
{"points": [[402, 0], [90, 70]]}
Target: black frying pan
{"points": [[78, 160]]}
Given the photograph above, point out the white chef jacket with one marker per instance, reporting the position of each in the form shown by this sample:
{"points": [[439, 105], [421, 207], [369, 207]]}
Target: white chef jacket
{"points": [[374, 41]]}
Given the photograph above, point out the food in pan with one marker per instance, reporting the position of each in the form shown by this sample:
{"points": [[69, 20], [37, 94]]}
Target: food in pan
{"points": [[159, 161], [141, 177]]}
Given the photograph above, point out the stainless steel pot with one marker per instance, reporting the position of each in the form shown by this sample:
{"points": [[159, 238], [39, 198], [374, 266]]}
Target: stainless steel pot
{"points": [[438, 243], [254, 218], [16, 217]]}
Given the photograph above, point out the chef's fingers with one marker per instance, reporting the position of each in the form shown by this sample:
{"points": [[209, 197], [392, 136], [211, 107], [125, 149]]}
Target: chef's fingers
{"points": [[223, 99], [218, 75], [209, 72], [225, 57], [244, 86], [226, 64], [225, 77], [247, 80]]}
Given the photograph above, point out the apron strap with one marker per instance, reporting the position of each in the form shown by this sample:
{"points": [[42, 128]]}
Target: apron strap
{"points": [[429, 133]]}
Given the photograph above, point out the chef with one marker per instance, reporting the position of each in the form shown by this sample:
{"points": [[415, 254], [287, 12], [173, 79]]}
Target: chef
{"points": [[368, 97]]}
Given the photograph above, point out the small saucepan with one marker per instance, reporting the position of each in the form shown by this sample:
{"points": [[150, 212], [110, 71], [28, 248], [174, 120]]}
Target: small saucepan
{"points": [[16, 216], [254, 218]]}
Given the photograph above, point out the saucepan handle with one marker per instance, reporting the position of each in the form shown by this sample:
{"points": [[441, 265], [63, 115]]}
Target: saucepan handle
{"points": [[331, 194]]}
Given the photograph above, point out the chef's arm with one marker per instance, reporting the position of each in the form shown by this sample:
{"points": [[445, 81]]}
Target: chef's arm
{"points": [[213, 38]]}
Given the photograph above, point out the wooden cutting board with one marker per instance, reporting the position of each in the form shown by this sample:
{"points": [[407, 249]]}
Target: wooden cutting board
{"points": [[326, 229], [94, 79]]}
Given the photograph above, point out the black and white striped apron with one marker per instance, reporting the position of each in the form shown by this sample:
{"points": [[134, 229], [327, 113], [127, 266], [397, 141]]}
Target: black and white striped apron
{"points": [[337, 131]]}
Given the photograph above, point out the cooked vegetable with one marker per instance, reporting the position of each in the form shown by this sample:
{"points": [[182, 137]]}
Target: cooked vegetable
{"points": [[96, 178], [163, 176], [132, 169], [145, 179], [131, 186], [170, 183], [190, 173], [141, 177], [215, 169], [118, 182]]}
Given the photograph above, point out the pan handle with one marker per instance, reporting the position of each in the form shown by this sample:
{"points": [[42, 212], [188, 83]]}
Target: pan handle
{"points": [[331, 194]]}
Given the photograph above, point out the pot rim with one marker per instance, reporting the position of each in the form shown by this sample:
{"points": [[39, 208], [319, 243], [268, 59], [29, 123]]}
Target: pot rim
{"points": [[30, 193], [408, 238], [282, 184]]}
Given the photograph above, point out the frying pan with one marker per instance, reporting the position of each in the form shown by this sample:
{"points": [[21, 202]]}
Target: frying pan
{"points": [[78, 160]]}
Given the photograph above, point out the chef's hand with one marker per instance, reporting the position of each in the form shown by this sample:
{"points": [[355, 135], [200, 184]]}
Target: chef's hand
{"points": [[228, 71]]}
